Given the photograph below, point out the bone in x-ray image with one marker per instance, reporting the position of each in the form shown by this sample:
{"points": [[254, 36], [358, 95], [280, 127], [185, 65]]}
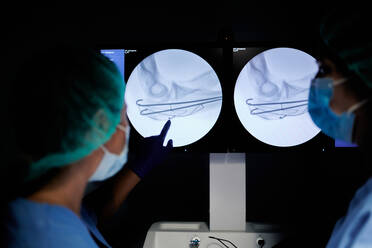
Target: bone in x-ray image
{"points": [[178, 85], [271, 96]]}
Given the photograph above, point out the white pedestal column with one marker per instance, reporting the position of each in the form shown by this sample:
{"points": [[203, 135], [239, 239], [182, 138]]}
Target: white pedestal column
{"points": [[227, 192]]}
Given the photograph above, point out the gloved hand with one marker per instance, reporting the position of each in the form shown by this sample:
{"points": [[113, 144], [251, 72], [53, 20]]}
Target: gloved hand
{"points": [[152, 152]]}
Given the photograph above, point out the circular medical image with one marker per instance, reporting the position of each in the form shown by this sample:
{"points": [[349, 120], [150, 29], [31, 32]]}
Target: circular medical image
{"points": [[271, 96], [177, 85]]}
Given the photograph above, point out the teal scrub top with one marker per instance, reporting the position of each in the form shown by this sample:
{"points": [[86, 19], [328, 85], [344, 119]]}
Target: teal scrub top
{"points": [[31, 224], [354, 230]]}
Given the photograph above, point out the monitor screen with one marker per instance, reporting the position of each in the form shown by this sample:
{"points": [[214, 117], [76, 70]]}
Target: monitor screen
{"points": [[117, 56], [250, 99], [271, 97], [183, 85]]}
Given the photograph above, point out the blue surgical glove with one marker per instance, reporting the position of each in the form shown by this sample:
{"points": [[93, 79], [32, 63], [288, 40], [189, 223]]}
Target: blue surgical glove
{"points": [[152, 152]]}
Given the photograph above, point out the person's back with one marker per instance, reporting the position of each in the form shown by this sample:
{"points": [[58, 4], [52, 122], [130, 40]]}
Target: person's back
{"points": [[32, 224]]}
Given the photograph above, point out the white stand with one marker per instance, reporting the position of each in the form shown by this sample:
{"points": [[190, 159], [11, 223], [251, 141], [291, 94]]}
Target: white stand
{"points": [[227, 214], [227, 192]]}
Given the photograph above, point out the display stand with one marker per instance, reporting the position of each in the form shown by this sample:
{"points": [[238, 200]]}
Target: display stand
{"points": [[227, 224]]}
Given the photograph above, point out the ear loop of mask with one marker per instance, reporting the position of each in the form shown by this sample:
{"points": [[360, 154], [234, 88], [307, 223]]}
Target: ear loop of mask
{"points": [[104, 149], [339, 81], [122, 128], [354, 107]]}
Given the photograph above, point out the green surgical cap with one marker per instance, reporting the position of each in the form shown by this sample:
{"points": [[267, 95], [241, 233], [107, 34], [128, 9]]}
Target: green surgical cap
{"points": [[348, 34], [66, 102]]}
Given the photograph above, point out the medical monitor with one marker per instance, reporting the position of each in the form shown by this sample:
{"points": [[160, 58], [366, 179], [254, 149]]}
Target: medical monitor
{"points": [[245, 99]]}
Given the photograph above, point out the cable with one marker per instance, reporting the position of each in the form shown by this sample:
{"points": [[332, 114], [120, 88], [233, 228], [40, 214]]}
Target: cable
{"points": [[220, 240]]}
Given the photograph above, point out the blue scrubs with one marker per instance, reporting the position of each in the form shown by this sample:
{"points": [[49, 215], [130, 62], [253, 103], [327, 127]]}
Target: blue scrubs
{"points": [[355, 229], [31, 224]]}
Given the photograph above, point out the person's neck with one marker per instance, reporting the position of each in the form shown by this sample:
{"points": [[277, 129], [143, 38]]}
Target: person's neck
{"points": [[67, 188]]}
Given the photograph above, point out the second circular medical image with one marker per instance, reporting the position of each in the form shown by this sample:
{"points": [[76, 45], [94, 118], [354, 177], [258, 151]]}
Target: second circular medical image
{"points": [[271, 97]]}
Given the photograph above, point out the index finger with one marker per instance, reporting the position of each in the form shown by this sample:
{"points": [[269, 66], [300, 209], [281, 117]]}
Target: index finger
{"points": [[165, 129]]}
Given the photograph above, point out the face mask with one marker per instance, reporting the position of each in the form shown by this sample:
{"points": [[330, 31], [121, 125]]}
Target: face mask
{"points": [[336, 126], [112, 163]]}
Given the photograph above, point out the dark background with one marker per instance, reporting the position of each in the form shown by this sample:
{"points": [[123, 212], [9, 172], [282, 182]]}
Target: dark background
{"points": [[304, 191]]}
